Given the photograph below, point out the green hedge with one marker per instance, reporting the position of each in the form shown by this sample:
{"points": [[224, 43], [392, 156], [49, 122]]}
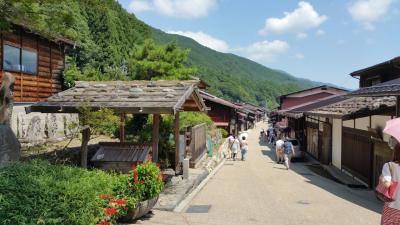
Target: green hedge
{"points": [[39, 193]]}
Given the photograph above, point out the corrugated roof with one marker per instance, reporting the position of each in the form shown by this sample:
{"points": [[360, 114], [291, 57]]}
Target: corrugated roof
{"points": [[121, 152], [126, 96], [388, 88]]}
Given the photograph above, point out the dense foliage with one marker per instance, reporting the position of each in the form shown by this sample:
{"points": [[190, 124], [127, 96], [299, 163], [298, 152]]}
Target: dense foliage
{"points": [[36, 192], [112, 43]]}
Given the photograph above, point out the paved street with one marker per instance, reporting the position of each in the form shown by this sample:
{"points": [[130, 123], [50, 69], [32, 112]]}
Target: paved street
{"points": [[258, 191]]}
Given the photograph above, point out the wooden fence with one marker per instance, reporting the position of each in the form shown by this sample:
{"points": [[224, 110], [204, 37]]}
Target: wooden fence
{"points": [[357, 153], [196, 143]]}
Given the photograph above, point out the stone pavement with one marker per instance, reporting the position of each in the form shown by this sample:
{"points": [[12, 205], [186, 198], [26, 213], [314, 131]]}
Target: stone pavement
{"points": [[258, 191]]}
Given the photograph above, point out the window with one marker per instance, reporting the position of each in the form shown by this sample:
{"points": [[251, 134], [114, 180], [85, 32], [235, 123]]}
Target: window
{"points": [[12, 60], [29, 61]]}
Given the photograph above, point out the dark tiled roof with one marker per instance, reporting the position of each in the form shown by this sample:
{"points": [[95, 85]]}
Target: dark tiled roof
{"points": [[383, 89], [353, 106], [385, 64], [215, 99], [319, 87], [125, 96]]}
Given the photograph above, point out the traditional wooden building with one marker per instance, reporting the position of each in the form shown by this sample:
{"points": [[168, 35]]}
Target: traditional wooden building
{"points": [[309, 95], [222, 112], [358, 145], [35, 61]]}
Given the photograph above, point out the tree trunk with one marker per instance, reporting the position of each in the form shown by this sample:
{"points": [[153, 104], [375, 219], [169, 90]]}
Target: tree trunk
{"points": [[84, 147]]}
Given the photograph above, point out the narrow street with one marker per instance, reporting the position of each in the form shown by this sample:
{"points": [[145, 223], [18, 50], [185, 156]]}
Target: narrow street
{"points": [[259, 191]]}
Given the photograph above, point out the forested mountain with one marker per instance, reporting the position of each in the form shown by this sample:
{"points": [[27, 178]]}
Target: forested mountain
{"points": [[109, 36]]}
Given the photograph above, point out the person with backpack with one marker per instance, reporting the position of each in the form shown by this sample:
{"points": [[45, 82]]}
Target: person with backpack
{"points": [[288, 152]]}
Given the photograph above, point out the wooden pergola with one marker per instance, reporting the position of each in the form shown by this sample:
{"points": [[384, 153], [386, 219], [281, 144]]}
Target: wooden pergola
{"points": [[128, 97]]}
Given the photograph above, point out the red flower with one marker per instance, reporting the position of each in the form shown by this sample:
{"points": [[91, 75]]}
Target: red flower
{"points": [[126, 208], [135, 174], [103, 196], [103, 223], [164, 177], [121, 202], [142, 182], [111, 211], [133, 167]]}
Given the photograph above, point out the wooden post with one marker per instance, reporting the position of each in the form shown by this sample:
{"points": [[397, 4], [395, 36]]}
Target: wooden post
{"points": [[176, 131], [397, 106], [155, 136], [122, 128], [84, 146]]}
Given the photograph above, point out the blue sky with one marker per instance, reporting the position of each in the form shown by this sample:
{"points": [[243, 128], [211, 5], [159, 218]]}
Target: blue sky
{"points": [[318, 40]]}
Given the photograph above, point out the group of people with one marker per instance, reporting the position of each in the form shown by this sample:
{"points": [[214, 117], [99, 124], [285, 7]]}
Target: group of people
{"points": [[284, 151], [235, 144]]}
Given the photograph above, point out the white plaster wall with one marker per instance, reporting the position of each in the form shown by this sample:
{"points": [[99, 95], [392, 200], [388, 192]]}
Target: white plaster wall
{"points": [[348, 123], [379, 122], [37, 128], [362, 123], [337, 143]]}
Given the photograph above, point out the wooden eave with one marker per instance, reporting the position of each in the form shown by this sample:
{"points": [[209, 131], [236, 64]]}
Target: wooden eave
{"points": [[133, 97]]}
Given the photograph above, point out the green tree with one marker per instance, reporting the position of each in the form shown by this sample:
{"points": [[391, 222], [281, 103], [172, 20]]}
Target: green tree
{"points": [[152, 62]]}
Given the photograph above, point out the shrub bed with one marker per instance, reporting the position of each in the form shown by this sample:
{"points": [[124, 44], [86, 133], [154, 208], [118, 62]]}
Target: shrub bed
{"points": [[37, 192]]}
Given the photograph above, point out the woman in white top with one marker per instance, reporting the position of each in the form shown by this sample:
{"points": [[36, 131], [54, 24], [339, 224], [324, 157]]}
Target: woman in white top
{"points": [[235, 148], [244, 147], [390, 173]]}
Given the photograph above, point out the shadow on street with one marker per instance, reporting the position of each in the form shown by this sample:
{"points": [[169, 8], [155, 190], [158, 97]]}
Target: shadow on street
{"points": [[363, 198]]}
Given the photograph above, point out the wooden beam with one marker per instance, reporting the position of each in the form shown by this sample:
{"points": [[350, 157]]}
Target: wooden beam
{"points": [[84, 146], [176, 131], [155, 136], [122, 128]]}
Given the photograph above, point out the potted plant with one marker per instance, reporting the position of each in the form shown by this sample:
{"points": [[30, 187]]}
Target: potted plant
{"points": [[145, 183], [134, 195]]}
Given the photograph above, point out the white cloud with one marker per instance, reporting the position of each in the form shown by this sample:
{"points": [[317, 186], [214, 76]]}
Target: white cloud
{"points": [[302, 35], [299, 56], [139, 6], [204, 39], [174, 8], [301, 19], [320, 32], [369, 11], [264, 51]]}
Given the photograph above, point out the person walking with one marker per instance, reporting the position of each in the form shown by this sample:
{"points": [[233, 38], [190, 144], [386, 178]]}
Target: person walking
{"points": [[391, 174], [288, 152], [279, 150], [230, 139], [244, 146], [235, 148]]}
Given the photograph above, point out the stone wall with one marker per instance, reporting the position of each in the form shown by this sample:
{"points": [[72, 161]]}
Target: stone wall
{"points": [[39, 128]]}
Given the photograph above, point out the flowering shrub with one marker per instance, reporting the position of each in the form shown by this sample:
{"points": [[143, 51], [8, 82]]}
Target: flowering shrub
{"points": [[146, 180]]}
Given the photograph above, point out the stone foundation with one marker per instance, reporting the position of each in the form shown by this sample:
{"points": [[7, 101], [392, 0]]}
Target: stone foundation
{"points": [[38, 128]]}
